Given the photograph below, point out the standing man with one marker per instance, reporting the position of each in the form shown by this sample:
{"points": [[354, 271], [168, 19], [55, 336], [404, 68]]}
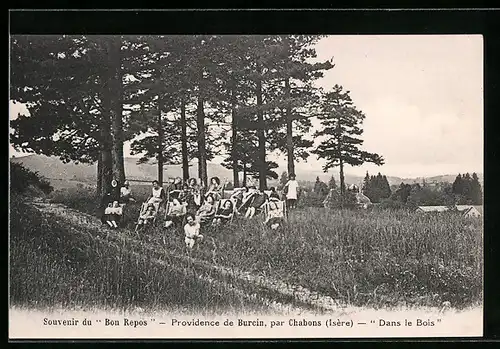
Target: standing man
{"points": [[292, 188]]}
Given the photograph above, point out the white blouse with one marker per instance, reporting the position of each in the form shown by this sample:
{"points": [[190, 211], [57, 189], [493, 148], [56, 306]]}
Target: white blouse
{"points": [[157, 193]]}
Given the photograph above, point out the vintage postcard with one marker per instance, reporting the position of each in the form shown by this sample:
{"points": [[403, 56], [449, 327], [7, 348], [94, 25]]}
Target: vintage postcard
{"points": [[245, 186]]}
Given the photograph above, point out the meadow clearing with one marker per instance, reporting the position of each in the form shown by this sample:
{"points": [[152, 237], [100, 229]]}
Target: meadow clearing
{"points": [[373, 259]]}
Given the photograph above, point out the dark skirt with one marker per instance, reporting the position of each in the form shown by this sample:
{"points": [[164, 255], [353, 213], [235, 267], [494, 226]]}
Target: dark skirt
{"points": [[258, 201]]}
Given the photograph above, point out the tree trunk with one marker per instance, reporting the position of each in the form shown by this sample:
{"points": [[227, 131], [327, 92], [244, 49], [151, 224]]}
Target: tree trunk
{"points": [[184, 146], [262, 139], [105, 157], [244, 174], [160, 143], [234, 140], [289, 130], [114, 94], [99, 175], [202, 158], [342, 184]]}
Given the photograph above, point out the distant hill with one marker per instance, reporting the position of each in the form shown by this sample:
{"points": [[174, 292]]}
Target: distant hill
{"points": [[54, 169]]}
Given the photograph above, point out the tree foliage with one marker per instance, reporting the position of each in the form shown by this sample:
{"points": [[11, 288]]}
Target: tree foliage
{"points": [[341, 129], [376, 188]]}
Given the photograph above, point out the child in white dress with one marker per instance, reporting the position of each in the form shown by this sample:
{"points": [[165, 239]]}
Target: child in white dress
{"points": [[191, 231]]}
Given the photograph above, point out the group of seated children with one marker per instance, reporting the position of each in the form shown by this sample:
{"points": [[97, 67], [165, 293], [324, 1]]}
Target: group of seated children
{"points": [[112, 214], [193, 222], [188, 201], [189, 197], [113, 202]]}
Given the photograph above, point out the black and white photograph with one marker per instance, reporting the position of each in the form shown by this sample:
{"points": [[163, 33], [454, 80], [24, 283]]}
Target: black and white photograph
{"points": [[245, 186]]}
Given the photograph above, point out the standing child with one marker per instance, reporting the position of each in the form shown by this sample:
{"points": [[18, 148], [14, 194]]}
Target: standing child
{"points": [[292, 187], [191, 231]]}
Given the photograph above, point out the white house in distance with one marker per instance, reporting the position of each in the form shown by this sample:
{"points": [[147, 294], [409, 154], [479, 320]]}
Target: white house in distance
{"points": [[470, 210], [466, 210]]}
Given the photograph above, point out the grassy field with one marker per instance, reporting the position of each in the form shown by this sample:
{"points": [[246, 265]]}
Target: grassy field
{"points": [[364, 258]]}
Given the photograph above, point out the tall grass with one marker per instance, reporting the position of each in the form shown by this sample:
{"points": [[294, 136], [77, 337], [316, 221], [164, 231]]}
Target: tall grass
{"points": [[368, 258]]}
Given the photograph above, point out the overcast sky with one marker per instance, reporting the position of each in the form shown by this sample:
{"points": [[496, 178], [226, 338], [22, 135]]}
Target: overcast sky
{"points": [[422, 97]]}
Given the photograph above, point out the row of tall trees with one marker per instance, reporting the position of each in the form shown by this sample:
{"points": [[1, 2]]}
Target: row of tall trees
{"points": [[180, 98], [376, 187], [468, 189], [465, 190]]}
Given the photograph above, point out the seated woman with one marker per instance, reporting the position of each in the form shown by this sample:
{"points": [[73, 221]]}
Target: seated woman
{"points": [[174, 189], [191, 231], [224, 214], [157, 194], [246, 198], [195, 197], [275, 216], [206, 211], [148, 216], [214, 189], [176, 210], [258, 200], [126, 193], [192, 183], [274, 195], [237, 196], [113, 214], [185, 193]]}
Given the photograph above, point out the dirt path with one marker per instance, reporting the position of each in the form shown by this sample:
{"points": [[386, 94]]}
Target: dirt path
{"points": [[279, 296]]}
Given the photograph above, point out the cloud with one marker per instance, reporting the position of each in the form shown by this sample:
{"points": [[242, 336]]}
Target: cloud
{"points": [[422, 96]]}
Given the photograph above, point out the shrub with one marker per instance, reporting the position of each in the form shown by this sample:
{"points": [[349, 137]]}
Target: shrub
{"points": [[311, 199], [22, 178], [334, 199], [391, 204]]}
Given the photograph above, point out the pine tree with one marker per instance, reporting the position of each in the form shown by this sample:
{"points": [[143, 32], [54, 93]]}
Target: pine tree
{"points": [[467, 189], [320, 188], [376, 187], [476, 190], [386, 188], [458, 185], [71, 86], [414, 199], [283, 179], [331, 183], [402, 193], [341, 123], [316, 185], [294, 95], [170, 77], [367, 186]]}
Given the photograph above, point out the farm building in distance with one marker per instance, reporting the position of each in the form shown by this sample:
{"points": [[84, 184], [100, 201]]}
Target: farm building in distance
{"points": [[466, 210]]}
